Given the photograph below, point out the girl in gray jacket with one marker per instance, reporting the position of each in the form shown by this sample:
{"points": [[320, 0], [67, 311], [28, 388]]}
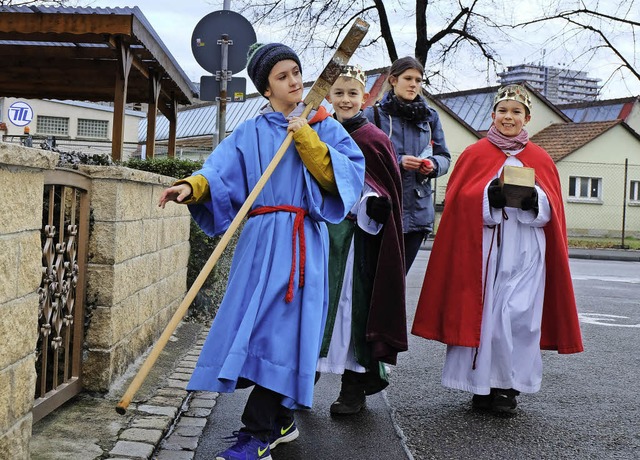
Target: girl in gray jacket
{"points": [[416, 133]]}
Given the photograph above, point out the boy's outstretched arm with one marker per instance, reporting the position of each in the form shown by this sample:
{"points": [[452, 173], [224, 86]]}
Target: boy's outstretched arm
{"points": [[177, 193], [190, 190]]}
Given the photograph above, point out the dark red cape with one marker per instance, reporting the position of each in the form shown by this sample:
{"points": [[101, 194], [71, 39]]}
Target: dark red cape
{"points": [[387, 325], [450, 305]]}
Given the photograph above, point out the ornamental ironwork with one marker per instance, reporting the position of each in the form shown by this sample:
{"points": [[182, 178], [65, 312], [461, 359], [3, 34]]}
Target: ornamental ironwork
{"points": [[61, 291]]}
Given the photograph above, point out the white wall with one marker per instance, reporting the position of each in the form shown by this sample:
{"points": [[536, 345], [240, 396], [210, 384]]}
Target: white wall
{"points": [[604, 158], [73, 112]]}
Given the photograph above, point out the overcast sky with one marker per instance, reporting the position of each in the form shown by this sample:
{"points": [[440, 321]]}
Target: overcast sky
{"points": [[175, 22]]}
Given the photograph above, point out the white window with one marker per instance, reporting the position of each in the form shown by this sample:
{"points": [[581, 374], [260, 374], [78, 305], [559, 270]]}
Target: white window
{"points": [[54, 126], [93, 128], [634, 191], [585, 188]]}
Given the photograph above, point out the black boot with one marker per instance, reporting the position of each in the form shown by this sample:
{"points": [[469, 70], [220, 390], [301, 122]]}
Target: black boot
{"points": [[504, 401], [352, 397], [482, 402]]}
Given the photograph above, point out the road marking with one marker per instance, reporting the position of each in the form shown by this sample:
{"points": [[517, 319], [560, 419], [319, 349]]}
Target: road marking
{"points": [[604, 319]]}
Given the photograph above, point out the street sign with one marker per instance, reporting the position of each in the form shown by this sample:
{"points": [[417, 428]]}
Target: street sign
{"points": [[205, 40], [220, 43], [210, 89]]}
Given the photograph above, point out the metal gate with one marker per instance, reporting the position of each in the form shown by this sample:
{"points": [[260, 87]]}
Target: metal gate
{"points": [[65, 228]]}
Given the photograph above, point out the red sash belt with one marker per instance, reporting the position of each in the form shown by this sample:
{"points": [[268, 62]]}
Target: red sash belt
{"points": [[298, 230]]}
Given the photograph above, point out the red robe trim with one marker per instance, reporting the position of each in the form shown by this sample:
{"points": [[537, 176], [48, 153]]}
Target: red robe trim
{"points": [[450, 304]]}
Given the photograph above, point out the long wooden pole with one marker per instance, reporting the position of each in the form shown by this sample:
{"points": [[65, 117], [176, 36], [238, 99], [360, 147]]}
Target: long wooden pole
{"points": [[313, 100]]}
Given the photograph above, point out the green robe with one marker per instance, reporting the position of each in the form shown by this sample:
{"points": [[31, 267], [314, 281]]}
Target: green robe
{"points": [[366, 248]]}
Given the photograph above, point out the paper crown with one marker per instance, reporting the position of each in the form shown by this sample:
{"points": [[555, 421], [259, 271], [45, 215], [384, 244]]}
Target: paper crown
{"points": [[354, 71], [516, 93]]}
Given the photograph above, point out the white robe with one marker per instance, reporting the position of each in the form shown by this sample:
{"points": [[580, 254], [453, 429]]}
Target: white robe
{"points": [[341, 354], [509, 353]]}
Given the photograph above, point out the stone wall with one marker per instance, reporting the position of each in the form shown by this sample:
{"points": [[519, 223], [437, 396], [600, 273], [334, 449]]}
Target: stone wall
{"points": [[136, 277], [21, 189], [137, 266]]}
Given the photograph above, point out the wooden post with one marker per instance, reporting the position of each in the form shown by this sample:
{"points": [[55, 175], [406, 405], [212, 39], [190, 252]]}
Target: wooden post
{"points": [[152, 114], [125, 58]]}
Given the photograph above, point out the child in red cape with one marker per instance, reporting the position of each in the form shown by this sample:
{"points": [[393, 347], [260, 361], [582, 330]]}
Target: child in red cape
{"points": [[498, 287]]}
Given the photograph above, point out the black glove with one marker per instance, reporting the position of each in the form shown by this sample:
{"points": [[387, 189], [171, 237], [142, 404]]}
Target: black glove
{"points": [[530, 202], [378, 208], [495, 195]]}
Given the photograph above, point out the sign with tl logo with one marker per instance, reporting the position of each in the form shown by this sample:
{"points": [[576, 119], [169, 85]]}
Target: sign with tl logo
{"points": [[20, 113]]}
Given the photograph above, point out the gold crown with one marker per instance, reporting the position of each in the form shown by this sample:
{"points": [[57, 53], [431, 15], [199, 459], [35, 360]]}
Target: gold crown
{"points": [[354, 71], [516, 93]]}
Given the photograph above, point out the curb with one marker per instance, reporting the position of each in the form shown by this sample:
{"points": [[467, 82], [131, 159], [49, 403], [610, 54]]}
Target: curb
{"points": [[623, 255], [605, 254], [169, 425], [181, 440]]}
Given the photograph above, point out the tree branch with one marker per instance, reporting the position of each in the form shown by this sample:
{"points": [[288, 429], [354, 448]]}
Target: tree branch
{"points": [[385, 29], [610, 46]]}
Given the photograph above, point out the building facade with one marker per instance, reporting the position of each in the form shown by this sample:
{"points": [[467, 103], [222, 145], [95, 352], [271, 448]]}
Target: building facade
{"points": [[558, 85], [69, 125]]}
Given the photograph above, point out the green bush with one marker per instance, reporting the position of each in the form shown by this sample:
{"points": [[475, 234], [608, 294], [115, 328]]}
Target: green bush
{"points": [[210, 295], [171, 167]]}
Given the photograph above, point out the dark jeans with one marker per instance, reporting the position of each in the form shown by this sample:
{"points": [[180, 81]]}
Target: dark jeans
{"points": [[412, 243], [263, 411]]}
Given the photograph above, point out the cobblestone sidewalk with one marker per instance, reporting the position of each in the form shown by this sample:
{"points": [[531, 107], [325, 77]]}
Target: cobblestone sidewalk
{"points": [[164, 421], [149, 436]]}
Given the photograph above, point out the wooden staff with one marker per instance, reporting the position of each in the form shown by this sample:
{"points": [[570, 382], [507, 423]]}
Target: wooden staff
{"points": [[312, 101]]}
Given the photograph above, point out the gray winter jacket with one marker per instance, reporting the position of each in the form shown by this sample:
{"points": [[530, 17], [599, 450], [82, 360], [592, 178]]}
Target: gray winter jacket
{"points": [[421, 139]]}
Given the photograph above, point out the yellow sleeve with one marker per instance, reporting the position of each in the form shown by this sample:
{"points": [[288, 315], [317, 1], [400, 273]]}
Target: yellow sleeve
{"points": [[315, 156], [199, 189]]}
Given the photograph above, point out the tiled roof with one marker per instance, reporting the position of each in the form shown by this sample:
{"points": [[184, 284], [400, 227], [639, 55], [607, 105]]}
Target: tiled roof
{"points": [[561, 139]]}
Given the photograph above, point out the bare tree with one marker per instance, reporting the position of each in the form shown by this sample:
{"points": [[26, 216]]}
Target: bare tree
{"points": [[443, 32], [33, 3], [601, 32]]}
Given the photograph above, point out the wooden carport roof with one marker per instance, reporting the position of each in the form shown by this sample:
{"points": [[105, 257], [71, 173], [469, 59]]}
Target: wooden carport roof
{"points": [[92, 54]]}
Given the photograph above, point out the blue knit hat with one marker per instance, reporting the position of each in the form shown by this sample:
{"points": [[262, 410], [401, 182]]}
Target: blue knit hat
{"points": [[262, 57]]}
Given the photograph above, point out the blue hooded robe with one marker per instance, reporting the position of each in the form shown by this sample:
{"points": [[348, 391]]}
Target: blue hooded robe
{"points": [[256, 335]]}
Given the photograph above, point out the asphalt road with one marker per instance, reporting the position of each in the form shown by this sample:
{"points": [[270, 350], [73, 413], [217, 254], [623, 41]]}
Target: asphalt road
{"points": [[588, 407]]}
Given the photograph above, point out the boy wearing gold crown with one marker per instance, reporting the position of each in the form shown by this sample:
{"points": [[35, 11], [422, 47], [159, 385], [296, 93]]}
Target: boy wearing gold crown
{"points": [[508, 292], [366, 322]]}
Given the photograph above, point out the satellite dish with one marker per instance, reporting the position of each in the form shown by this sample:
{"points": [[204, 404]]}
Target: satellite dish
{"points": [[210, 29]]}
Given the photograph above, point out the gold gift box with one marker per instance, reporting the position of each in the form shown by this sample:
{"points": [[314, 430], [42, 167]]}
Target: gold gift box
{"points": [[517, 183]]}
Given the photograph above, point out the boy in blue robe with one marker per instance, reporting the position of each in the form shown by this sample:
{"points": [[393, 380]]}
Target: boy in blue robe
{"points": [[268, 330]]}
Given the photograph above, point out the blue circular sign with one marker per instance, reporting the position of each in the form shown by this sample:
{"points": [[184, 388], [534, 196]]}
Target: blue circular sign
{"points": [[208, 32], [20, 113]]}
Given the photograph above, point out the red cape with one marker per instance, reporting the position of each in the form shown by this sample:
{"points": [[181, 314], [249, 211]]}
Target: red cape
{"points": [[450, 305]]}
